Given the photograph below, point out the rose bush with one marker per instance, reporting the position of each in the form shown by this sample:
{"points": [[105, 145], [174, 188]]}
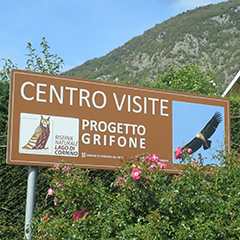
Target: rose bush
{"points": [[144, 202]]}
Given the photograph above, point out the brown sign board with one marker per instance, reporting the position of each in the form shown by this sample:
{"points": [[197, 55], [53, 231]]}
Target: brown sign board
{"points": [[95, 124]]}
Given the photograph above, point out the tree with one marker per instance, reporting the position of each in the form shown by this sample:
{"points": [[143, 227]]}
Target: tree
{"points": [[235, 120], [44, 62], [13, 179], [49, 63], [6, 70], [188, 78]]}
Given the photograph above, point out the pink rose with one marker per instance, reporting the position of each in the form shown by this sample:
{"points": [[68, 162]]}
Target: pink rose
{"points": [[162, 165], [152, 166], [50, 191], [136, 174], [79, 214], [118, 181], [56, 165], [189, 150], [55, 200], [149, 158], [59, 185], [155, 157], [178, 153]]}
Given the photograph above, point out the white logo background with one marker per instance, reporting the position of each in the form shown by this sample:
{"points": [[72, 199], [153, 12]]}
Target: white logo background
{"points": [[63, 138]]}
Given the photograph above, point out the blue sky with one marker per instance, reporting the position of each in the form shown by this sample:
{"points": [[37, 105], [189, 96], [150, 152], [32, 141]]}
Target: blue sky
{"points": [[80, 30], [188, 120]]}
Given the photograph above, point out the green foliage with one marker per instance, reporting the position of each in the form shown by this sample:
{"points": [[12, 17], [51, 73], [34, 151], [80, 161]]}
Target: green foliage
{"points": [[4, 96], [6, 70], [235, 120], [48, 63], [202, 202], [13, 179], [74, 189], [188, 78]]}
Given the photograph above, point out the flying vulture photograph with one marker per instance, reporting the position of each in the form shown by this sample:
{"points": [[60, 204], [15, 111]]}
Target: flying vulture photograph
{"points": [[202, 138], [198, 127]]}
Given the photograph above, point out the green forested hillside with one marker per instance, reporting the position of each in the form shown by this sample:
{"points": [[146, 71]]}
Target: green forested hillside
{"points": [[206, 36]]}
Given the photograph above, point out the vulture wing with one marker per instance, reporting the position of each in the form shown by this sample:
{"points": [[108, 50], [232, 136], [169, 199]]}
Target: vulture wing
{"points": [[211, 126], [194, 144]]}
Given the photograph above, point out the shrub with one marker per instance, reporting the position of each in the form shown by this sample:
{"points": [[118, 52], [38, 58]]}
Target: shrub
{"points": [[144, 202]]}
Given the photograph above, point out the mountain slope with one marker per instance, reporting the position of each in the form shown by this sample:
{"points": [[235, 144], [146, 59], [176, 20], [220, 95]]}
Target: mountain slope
{"points": [[207, 35]]}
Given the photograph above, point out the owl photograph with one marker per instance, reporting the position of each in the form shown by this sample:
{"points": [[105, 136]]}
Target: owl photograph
{"points": [[40, 135]]}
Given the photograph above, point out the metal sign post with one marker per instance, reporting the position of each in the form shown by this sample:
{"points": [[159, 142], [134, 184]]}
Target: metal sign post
{"points": [[31, 186]]}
